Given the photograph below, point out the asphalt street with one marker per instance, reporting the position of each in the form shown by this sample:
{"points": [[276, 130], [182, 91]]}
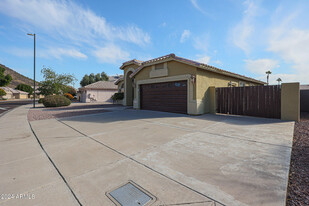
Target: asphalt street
{"points": [[9, 105]]}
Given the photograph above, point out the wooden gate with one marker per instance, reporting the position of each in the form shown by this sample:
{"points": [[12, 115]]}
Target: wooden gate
{"points": [[258, 101]]}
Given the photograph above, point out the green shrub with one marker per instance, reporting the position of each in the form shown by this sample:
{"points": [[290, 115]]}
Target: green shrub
{"points": [[117, 96], [2, 92], [41, 100], [56, 101], [25, 88]]}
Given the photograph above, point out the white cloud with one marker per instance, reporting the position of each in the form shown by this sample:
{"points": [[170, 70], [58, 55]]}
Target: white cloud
{"points": [[68, 20], [260, 66], [111, 54], [185, 35], [201, 42], [245, 28], [164, 24], [52, 52], [20, 52], [197, 6], [203, 59], [284, 77], [290, 41], [292, 45], [218, 62], [62, 52]]}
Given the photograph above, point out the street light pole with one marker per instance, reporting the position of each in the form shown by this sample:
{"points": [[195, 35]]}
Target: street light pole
{"points": [[33, 68]]}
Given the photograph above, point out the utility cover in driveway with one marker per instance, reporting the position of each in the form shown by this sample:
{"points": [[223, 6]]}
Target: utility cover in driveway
{"points": [[131, 195]]}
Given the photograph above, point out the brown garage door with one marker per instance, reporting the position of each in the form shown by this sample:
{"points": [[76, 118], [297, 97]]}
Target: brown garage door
{"points": [[166, 97]]}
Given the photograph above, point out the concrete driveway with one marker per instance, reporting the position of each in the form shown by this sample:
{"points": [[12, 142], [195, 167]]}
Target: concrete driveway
{"points": [[179, 159]]}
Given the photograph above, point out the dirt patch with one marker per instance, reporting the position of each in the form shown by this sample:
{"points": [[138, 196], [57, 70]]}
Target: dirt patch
{"points": [[298, 188], [41, 113]]}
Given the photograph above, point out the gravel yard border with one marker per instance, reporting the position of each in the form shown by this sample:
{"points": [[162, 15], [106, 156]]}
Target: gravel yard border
{"points": [[298, 187], [41, 113]]}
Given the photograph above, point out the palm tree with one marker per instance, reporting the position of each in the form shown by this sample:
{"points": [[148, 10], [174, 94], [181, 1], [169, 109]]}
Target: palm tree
{"points": [[268, 73], [279, 80]]}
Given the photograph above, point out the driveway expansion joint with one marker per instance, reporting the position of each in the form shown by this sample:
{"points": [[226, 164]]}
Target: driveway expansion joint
{"points": [[54, 165], [140, 163]]}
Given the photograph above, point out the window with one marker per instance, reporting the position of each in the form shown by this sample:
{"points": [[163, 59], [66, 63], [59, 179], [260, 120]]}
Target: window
{"points": [[159, 66], [242, 84]]}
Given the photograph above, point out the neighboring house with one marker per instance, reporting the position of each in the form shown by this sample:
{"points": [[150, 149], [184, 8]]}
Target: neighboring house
{"points": [[14, 93], [174, 84], [120, 83], [100, 91], [304, 98], [114, 78]]}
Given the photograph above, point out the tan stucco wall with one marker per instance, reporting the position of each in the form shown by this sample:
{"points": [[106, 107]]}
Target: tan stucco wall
{"points": [[128, 100], [290, 101], [97, 95], [174, 69], [119, 85], [206, 79], [21, 96], [126, 68]]}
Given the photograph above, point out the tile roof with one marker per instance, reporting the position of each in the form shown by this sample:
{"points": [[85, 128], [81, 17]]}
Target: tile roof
{"points": [[193, 63], [133, 61], [14, 91], [100, 85], [118, 80], [114, 78]]}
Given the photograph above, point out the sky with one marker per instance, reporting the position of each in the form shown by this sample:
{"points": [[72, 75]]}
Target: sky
{"points": [[90, 36]]}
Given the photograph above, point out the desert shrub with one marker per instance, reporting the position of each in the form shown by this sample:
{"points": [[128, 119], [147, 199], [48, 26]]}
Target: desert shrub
{"points": [[41, 100], [117, 97], [56, 101], [2, 92], [69, 96]]}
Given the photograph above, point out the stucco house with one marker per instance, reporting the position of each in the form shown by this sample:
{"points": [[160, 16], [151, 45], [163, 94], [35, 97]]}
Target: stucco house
{"points": [[174, 84], [100, 91], [14, 93]]}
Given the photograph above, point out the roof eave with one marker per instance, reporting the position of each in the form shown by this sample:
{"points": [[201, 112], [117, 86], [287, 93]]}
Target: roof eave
{"points": [[195, 64]]}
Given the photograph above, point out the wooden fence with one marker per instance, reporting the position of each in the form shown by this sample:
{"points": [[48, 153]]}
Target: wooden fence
{"points": [[258, 101]]}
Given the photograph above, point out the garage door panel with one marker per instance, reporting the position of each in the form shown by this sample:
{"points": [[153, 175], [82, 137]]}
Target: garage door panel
{"points": [[167, 96]]}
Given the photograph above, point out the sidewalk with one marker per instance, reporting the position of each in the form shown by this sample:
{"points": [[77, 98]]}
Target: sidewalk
{"points": [[26, 174]]}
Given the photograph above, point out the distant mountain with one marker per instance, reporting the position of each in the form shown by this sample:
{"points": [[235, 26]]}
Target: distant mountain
{"points": [[17, 78]]}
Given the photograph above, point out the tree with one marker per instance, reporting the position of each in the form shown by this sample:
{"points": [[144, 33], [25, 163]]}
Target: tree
{"points": [[4, 80], [84, 81], [2, 92], [25, 88], [97, 77], [55, 83], [93, 78], [279, 80], [71, 90], [104, 76]]}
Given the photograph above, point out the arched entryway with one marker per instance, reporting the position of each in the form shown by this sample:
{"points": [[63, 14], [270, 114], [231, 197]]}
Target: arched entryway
{"points": [[129, 90]]}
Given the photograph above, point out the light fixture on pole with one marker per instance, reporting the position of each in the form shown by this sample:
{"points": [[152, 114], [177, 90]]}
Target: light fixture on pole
{"points": [[268, 73], [33, 68]]}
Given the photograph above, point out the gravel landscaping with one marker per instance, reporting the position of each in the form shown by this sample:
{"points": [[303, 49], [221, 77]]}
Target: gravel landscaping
{"points": [[298, 189], [41, 113]]}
